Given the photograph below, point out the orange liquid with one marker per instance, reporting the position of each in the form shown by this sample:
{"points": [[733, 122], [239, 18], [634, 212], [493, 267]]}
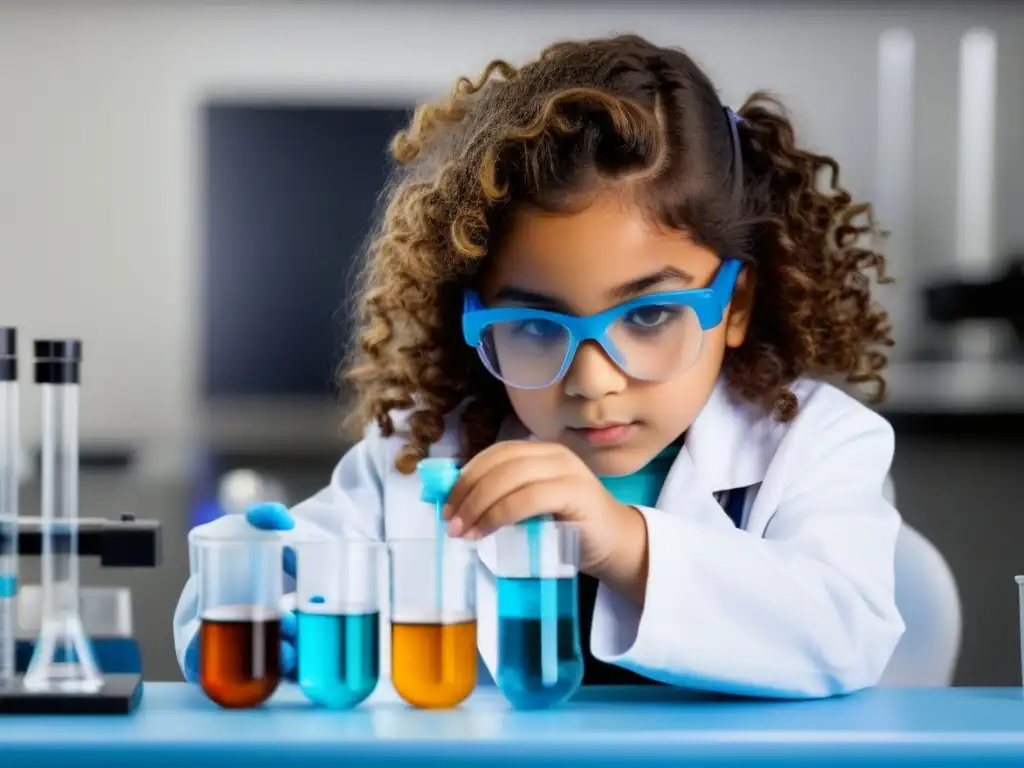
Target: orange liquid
{"points": [[433, 666], [239, 661]]}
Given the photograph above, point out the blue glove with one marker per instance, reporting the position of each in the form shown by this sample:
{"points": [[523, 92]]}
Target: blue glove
{"points": [[267, 517], [275, 517]]}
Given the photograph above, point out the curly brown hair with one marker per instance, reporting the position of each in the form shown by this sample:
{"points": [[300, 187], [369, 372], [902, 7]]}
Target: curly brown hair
{"points": [[588, 114]]}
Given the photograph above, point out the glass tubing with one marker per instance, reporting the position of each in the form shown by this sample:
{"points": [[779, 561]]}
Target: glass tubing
{"points": [[63, 658], [9, 450]]}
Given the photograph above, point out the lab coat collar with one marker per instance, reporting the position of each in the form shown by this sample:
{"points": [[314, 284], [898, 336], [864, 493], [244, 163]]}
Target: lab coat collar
{"points": [[730, 444]]}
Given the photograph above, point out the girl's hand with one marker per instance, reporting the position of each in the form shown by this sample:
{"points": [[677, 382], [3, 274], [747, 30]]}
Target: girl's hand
{"points": [[516, 480]]}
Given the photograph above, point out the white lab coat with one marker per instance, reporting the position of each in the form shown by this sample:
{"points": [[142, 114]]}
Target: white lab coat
{"points": [[798, 603]]}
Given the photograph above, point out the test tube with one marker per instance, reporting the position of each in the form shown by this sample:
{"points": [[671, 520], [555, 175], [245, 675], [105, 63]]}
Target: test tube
{"points": [[540, 663], [62, 659], [9, 449], [240, 592], [433, 647], [339, 620]]}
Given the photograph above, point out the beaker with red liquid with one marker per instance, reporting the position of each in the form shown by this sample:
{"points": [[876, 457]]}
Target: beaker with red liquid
{"points": [[240, 594]]}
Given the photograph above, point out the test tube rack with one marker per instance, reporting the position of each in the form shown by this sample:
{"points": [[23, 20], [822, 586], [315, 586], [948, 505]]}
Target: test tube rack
{"points": [[123, 543]]}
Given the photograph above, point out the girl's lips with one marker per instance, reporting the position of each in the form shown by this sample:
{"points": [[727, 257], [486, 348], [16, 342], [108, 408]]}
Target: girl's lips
{"points": [[604, 436]]}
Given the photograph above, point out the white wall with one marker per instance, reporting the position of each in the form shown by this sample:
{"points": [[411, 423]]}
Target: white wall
{"points": [[99, 173]]}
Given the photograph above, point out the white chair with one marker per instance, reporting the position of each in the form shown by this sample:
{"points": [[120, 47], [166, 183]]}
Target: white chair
{"points": [[927, 597]]}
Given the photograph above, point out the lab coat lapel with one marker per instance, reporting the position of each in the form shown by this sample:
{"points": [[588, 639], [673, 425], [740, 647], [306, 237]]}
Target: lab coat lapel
{"points": [[726, 448]]}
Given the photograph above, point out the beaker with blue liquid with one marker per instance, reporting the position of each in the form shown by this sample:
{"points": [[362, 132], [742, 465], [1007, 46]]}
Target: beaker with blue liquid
{"points": [[540, 662], [338, 607]]}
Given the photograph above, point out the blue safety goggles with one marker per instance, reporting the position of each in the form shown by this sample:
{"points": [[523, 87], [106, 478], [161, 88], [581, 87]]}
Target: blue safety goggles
{"points": [[652, 338]]}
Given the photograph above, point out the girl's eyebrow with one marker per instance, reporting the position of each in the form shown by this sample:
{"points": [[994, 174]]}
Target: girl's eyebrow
{"points": [[635, 287], [645, 283], [532, 299]]}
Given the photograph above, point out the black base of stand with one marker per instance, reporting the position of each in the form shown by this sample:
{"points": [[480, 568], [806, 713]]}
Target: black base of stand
{"points": [[120, 695]]}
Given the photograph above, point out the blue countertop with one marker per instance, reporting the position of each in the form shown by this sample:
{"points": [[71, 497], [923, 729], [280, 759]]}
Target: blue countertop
{"points": [[175, 725]]}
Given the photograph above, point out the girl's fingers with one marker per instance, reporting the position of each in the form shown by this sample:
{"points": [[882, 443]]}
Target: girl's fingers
{"points": [[270, 517], [503, 479], [484, 463], [549, 496]]}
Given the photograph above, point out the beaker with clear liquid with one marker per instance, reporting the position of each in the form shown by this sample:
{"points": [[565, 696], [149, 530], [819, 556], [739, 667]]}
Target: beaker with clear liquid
{"points": [[241, 586], [540, 662], [433, 640], [339, 620]]}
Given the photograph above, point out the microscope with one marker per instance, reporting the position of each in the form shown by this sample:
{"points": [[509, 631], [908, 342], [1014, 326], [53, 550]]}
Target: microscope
{"points": [[1000, 299], [83, 658]]}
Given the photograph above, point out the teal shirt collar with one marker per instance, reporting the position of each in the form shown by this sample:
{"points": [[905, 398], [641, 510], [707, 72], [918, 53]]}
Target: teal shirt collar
{"points": [[643, 487]]}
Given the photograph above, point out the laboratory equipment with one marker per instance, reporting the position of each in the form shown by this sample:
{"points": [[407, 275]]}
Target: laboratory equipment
{"points": [[338, 603], [540, 662], [433, 643], [438, 476], [240, 593], [62, 659], [60, 668], [9, 449]]}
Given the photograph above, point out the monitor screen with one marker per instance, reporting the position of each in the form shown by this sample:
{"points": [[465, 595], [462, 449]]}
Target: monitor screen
{"points": [[291, 192]]}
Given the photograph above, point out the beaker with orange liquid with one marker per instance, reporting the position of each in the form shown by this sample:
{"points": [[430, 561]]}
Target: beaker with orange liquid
{"points": [[433, 621], [240, 593]]}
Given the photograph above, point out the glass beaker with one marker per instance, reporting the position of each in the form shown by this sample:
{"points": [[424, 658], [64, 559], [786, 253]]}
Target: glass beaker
{"points": [[540, 663], [433, 620], [339, 620], [241, 584]]}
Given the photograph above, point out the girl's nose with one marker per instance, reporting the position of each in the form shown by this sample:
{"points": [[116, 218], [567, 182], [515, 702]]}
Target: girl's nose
{"points": [[593, 375]]}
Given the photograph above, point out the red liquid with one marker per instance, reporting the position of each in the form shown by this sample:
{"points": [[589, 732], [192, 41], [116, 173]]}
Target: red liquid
{"points": [[239, 658]]}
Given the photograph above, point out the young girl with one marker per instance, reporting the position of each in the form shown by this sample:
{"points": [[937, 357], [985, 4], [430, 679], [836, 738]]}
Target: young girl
{"points": [[618, 302]]}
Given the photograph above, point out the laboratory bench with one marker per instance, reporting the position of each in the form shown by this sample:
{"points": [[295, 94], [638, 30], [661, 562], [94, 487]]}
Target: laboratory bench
{"points": [[176, 725]]}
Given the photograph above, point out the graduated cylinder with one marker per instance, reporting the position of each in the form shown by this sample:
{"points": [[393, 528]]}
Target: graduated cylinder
{"points": [[9, 449], [63, 658]]}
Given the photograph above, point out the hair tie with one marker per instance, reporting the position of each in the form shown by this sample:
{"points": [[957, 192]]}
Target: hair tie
{"points": [[737, 152]]}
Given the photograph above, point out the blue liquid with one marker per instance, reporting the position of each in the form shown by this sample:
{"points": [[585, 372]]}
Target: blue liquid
{"points": [[540, 663], [8, 585], [339, 657]]}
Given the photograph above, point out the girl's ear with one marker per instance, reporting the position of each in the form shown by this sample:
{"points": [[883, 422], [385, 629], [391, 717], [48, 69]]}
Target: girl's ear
{"points": [[737, 314]]}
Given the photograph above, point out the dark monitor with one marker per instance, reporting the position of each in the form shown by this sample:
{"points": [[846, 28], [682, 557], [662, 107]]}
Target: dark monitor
{"points": [[290, 196]]}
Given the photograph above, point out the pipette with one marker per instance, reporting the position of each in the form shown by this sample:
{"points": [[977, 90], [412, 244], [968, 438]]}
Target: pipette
{"points": [[438, 477], [9, 448]]}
